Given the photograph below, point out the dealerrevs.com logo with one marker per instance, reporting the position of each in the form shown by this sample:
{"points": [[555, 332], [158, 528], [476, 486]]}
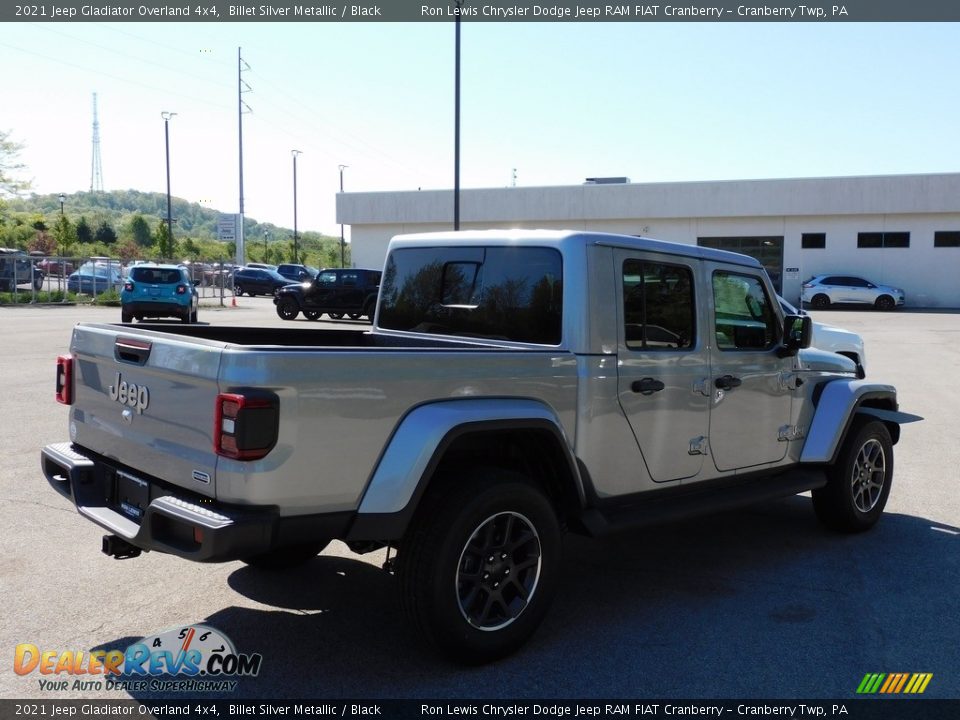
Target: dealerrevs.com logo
{"points": [[190, 658]]}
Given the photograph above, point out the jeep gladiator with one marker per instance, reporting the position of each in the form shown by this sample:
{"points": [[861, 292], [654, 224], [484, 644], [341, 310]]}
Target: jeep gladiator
{"points": [[515, 385]]}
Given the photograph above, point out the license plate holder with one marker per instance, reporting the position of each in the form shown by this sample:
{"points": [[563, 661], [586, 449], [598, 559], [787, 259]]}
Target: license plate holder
{"points": [[131, 496]]}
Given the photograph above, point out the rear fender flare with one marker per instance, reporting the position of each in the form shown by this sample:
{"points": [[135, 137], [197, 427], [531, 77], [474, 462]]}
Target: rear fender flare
{"points": [[419, 441]]}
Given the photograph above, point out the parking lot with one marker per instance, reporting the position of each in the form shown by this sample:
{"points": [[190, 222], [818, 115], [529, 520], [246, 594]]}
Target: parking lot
{"points": [[760, 603]]}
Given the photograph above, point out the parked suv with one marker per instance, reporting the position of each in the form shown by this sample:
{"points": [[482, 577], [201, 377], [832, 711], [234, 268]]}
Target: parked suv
{"points": [[257, 281], [17, 269], [336, 292], [159, 291], [297, 273], [821, 291]]}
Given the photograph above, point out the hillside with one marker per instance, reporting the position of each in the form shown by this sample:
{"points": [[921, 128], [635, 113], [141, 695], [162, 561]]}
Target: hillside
{"points": [[22, 220]]}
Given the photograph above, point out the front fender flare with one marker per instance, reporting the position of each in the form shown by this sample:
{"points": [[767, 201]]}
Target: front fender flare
{"points": [[839, 402]]}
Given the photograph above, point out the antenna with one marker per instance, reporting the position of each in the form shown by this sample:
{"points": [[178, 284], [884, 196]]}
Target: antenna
{"points": [[96, 171]]}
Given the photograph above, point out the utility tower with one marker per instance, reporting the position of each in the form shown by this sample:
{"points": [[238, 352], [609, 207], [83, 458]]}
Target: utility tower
{"points": [[96, 172]]}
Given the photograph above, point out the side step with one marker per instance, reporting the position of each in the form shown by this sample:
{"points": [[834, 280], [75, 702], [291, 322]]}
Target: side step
{"points": [[673, 504]]}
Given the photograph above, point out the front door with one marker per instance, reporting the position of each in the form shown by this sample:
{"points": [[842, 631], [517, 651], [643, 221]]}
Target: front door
{"points": [[751, 401], [662, 363]]}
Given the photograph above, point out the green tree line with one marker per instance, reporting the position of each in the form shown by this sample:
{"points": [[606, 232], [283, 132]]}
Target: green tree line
{"points": [[132, 225]]}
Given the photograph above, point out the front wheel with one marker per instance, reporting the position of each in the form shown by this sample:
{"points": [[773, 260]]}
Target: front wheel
{"points": [[287, 308], [859, 482], [885, 303], [480, 564], [335, 315], [238, 290], [311, 314], [354, 316]]}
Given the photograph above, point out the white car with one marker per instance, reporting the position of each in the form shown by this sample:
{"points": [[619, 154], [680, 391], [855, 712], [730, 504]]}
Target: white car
{"points": [[827, 337], [821, 291]]}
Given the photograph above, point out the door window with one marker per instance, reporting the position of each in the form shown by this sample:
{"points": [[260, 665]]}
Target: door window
{"points": [[744, 317], [658, 306]]}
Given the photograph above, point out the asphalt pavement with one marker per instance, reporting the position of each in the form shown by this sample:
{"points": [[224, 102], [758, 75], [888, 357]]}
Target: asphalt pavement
{"points": [[759, 603]]}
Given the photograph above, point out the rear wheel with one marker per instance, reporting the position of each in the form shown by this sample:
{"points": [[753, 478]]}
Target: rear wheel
{"points": [[185, 316], [311, 314], [287, 308], [38, 283], [354, 316], [859, 482], [335, 315], [126, 316], [820, 301], [885, 303], [288, 557], [193, 316], [480, 564]]}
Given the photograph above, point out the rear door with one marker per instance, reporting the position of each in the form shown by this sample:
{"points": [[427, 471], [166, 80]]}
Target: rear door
{"points": [[751, 400], [662, 363]]}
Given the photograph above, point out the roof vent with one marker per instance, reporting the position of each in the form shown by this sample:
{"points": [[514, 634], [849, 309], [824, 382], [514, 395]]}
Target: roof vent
{"points": [[606, 181]]}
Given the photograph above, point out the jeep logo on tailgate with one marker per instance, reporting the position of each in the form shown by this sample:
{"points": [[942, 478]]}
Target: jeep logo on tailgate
{"points": [[136, 396]]}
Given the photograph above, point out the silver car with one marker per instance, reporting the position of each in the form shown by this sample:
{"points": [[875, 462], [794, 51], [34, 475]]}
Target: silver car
{"points": [[821, 291]]}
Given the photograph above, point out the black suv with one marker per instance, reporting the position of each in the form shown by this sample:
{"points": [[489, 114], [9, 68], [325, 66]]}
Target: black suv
{"points": [[257, 281], [336, 292]]}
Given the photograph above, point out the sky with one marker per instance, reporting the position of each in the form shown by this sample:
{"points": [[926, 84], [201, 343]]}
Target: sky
{"points": [[554, 103]]}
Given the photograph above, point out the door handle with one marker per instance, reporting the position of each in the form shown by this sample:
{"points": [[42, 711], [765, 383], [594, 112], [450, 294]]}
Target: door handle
{"points": [[647, 386], [727, 382]]}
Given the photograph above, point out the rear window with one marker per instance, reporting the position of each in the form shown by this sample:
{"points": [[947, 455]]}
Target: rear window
{"points": [[502, 293], [156, 276]]}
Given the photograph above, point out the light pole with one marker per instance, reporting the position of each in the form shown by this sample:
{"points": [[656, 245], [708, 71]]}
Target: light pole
{"points": [[265, 234], [166, 135], [342, 241], [295, 249], [63, 199]]}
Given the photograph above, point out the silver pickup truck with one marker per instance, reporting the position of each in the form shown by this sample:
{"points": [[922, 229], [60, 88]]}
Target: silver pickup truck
{"points": [[515, 385]]}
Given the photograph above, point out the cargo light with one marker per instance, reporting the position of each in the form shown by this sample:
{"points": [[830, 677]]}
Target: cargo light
{"points": [[65, 379], [245, 426]]}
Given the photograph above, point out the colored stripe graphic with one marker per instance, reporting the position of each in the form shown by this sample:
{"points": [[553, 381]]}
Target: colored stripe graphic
{"points": [[894, 683]]}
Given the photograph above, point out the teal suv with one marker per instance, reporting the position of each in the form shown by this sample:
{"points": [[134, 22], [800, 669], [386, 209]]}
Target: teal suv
{"points": [[153, 291]]}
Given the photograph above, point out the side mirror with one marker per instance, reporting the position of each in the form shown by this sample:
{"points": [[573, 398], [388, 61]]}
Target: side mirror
{"points": [[797, 333]]}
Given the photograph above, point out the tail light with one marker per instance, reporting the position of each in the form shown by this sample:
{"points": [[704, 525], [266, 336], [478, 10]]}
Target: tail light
{"points": [[245, 425], [128, 286], [65, 379], [181, 289]]}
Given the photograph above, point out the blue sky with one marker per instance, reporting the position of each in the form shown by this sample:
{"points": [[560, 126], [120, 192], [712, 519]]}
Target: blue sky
{"points": [[558, 102]]}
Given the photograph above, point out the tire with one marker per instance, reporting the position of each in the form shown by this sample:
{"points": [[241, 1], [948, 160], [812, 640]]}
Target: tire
{"points": [[193, 315], [335, 315], [480, 564], [285, 558], [287, 308], [354, 316], [238, 290], [859, 481], [312, 314], [185, 316], [820, 302], [370, 308], [126, 317], [38, 283], [885, 303]]}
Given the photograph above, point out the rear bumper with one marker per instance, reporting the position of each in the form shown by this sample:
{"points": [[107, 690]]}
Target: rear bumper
{"points": [[159, 308], [174, 521]]}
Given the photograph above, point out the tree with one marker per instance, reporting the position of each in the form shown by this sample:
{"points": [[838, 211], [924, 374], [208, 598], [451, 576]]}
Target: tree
{"points": [[84, 233], [42, 242], [128, 251], [105, 233], [9, 167], [163, 241], [64, 235], [140, 230]]}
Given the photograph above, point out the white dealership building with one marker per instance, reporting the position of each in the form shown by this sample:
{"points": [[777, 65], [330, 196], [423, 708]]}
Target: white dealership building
{"points": [[900, 230]]}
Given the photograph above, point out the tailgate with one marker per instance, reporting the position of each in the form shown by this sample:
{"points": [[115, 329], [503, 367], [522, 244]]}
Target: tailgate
{"points": [[146, 399]]}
